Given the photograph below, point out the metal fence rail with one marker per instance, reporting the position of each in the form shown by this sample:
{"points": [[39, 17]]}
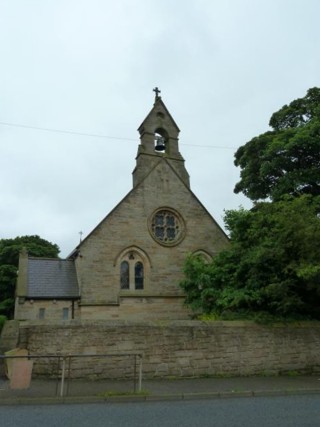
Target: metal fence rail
{"points": [[64, 365]]}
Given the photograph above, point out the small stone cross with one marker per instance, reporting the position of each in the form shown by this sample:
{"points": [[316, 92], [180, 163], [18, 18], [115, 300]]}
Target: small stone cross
{"points": [[157, 91]]}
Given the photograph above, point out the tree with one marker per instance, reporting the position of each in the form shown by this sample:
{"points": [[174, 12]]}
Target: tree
{"points": [[9, 260], [272, 265], [285, 160]]}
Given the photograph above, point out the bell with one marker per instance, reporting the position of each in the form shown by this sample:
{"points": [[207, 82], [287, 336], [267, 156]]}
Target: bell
{"points": [[160, 143]]}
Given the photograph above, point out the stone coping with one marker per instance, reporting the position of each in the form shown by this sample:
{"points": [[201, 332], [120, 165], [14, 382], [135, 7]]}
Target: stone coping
{"points": [[169, 324]]}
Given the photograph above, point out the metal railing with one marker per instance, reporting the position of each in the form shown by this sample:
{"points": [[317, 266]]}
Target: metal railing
{"points": [[62, 369]]}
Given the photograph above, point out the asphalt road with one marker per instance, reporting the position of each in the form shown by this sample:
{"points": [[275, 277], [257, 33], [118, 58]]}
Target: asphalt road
{"points": [[293, 411]]}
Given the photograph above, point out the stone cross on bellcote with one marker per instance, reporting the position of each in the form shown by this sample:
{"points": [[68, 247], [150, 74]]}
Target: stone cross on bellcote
{"points": [[157, 91]]}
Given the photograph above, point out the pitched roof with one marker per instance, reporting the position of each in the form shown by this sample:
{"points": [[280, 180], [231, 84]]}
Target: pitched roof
{"points": [[52, 278]]}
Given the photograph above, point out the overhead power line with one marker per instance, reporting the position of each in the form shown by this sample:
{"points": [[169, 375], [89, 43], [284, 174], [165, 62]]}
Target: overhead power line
{"points": [[94, 135], [70, 132]]}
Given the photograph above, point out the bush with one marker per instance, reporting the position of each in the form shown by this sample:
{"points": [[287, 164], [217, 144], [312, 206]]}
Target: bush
{"points": [[2, 321]]}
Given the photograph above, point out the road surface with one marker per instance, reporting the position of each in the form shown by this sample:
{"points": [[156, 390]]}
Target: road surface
{"points": [[287, 411]]}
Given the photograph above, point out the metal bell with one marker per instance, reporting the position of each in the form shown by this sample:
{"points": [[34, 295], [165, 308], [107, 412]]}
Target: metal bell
{"points": [[160, 143]]}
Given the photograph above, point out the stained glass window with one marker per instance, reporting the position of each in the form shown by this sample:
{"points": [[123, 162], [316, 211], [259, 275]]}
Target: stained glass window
{"points": [[124, 275], [132, 272], [166, 227], [138, 275]]}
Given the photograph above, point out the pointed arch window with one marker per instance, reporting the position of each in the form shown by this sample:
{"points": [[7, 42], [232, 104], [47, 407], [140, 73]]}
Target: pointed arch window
{"points": [[205, 256], [124, 275], [132, 271], [138, 275]]}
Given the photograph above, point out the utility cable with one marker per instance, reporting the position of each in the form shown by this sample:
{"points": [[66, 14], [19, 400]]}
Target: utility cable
{"points": [[69, 132]]}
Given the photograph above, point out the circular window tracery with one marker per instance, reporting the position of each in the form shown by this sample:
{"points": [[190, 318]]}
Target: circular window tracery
{"points": [[167, 227]]}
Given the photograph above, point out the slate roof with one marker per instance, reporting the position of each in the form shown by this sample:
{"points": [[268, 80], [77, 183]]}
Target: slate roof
{"points": [[52, 278]]}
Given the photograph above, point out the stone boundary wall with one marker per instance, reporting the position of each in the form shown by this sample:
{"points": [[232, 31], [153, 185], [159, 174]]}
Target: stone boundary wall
{"points": [[180, 348]]}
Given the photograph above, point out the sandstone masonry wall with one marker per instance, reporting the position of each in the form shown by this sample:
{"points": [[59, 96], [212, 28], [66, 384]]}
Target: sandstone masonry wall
{"points": [[181, 348], [53, 309]]}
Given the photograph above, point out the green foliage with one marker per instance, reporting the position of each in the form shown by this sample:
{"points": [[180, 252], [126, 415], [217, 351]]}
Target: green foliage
{"points": [[272, 267], [286, 160], [2, 321], [9, 260], [37, 247]]}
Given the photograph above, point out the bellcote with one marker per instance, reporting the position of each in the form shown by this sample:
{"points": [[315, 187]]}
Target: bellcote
{"points": [[158, 140]]}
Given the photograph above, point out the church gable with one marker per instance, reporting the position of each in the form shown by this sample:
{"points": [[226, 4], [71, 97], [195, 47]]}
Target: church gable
{"points": [[141, 245], [130, 265]]}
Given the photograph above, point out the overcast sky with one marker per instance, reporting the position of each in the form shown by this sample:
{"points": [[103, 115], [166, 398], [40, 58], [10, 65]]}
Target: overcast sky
{"points": [[89, 67]]}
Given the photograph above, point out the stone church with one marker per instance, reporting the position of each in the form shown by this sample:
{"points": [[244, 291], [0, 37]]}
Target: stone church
{"points": [[129, 267]]}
